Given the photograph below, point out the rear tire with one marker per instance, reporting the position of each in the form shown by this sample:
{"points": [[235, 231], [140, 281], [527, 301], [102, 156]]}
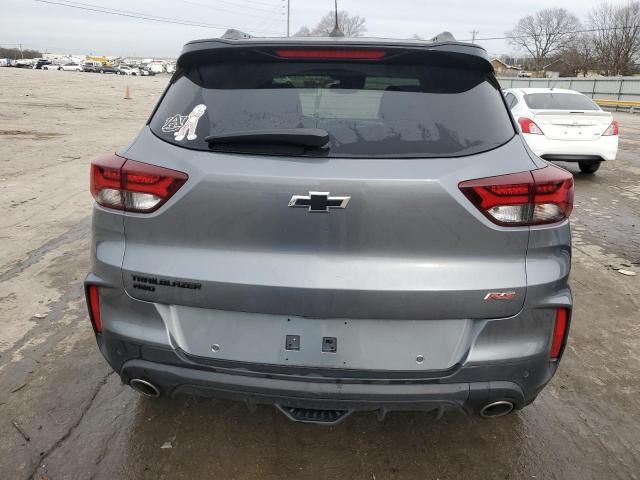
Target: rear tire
{"points": [[589, 167]]}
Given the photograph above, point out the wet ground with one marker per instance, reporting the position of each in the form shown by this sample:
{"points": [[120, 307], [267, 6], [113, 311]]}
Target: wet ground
{"points": [[64, 415]]}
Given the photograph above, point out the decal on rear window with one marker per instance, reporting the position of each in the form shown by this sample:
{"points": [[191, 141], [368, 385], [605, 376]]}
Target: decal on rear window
{"points": [[184, 125], [173, 124]]}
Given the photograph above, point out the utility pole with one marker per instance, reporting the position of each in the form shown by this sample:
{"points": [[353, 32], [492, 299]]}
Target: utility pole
{"points": [[473, 35], [288, 17]]}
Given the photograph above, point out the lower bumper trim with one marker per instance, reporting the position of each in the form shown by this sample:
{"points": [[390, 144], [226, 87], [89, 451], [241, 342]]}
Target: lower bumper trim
{"points": [[347, 397]]}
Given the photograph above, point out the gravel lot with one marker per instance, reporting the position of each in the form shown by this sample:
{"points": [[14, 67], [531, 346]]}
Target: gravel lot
{"points": [[82, 423]]}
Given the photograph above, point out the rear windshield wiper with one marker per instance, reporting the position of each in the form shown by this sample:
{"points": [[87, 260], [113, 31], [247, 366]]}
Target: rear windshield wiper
{"points": [[304, 137]]}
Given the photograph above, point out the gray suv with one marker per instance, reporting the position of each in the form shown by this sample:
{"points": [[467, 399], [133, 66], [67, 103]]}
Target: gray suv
{"points": [[332, 225]]}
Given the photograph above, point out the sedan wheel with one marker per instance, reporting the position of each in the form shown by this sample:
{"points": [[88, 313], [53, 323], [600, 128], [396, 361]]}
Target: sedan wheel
{"points": [[589, 167]]}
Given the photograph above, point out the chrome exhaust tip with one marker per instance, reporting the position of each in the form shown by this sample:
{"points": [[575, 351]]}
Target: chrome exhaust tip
{"points": [[497, 409], [147, 389]]}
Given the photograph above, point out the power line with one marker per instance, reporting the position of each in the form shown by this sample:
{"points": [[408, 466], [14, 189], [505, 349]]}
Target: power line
{"points": [[248, 1], [213, 7], [143, 16], [272, 22], [588, 30], [267, 22]]}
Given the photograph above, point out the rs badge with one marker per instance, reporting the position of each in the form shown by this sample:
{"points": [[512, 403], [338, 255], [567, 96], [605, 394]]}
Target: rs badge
{"points": [[500, 296]]}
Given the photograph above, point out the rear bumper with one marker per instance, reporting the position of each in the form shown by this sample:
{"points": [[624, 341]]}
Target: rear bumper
{"points": [[463, 388], [604, 148]]}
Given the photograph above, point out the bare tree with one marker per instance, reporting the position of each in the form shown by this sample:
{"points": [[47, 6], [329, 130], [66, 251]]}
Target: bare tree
{"points": [[351, 26], [580, 55], [616, 39], [544, 34], [303, 32]]}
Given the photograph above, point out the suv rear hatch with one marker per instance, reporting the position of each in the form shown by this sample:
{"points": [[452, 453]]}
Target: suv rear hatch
{"points": [[409, 260]]}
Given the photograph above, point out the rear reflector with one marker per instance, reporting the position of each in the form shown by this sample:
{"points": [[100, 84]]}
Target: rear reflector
{"points": [[93, 300], [330, 54], [535, 197], [612, 129], [559, 333], [529, 126], [132, 186]]}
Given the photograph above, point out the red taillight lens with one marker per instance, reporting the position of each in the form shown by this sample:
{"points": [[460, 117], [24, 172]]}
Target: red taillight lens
{"points": [[93, 300], [132, 186], [612, 129], [525, 198], [105, 180], [330, 54], [529, 126], [553, 195], [559, 333]]}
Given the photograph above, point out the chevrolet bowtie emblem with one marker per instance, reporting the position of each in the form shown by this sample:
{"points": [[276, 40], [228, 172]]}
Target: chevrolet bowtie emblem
{"points": [[318, 202]]}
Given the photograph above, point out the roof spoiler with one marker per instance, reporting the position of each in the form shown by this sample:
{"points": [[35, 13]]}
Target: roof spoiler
{"points": [[235, 40]]}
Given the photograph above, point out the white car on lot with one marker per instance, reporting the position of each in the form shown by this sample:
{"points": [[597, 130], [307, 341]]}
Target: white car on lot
{"points": [[127, 70], [71, 67], [564, 125]]}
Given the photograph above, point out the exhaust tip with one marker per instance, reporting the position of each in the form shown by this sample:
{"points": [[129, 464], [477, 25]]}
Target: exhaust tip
{"points": [[497, 409], [147, 389]]}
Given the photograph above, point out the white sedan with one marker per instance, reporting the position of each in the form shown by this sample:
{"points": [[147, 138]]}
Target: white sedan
{"points": [[71, 67], [127, 70], [564, 125]]}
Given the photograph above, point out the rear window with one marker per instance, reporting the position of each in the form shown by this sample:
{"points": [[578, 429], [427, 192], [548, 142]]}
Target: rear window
{"points": [[368, 109], [559, 101]]}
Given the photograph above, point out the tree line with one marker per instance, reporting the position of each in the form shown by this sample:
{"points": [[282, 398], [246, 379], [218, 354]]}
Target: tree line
{"points": [[17, 54], [607, 42]]}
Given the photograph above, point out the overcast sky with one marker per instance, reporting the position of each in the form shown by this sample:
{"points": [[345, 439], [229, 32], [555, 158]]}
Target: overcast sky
{"points": [[59, 29]]}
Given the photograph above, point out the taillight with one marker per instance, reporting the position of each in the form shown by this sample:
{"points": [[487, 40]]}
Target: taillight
{"points": [[330, 54], [535, 197], [559, 333], [93, 302], [529, 126], [552, 195], [612, 129], [132, 186]]}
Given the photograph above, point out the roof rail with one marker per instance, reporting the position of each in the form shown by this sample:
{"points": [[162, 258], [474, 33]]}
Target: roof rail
{"points": [[233, 34], [444, 37]]}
